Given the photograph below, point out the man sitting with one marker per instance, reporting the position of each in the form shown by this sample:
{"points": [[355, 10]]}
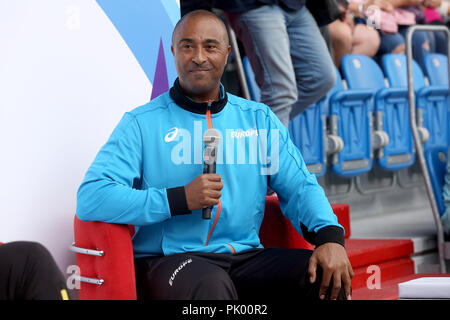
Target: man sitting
{"points": [[149, 174]]}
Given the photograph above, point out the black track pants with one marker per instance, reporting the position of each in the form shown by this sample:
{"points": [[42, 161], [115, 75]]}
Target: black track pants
{"points": [[267, 274], [28, 272]]}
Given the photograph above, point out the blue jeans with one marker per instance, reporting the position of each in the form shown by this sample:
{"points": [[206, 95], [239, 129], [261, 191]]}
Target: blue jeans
{"points": [[289, 57]]}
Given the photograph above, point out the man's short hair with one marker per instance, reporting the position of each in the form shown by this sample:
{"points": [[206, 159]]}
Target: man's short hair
{"points": [[201, 12]]}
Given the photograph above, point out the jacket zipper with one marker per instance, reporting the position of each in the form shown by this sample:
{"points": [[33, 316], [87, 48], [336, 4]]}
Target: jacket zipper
{"points": [[219, 205]]}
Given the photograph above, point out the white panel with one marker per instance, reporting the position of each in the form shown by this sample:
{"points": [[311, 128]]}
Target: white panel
{"points": [[425, 288], [66, 78]]}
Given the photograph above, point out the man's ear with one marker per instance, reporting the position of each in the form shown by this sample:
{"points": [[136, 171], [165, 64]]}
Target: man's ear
{"points": [[228, 51], [171, 49]]}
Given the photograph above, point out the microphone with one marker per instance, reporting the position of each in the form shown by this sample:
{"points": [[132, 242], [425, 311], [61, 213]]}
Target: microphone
{"points": [[211, 139]]}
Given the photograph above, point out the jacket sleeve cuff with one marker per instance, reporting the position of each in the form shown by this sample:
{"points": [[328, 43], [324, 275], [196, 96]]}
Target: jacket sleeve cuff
{"points": [[324, 235], [177, 201], [330, 234]]}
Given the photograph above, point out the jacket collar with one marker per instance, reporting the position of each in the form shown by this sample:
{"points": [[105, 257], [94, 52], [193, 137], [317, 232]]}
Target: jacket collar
{"points": [[177, 94]]}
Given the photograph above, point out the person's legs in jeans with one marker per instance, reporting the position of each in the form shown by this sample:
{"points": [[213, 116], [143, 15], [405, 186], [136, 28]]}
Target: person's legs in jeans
{"points": [[438, 42], [263, 33], [313, 66], [267, 34]]}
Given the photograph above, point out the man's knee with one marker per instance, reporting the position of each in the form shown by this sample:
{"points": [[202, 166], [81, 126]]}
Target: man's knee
{"points": [[33, 270], [215, 285], [182, 277], [399, 49], [341, 35], [325, 81], [321, 79], [36, 253], [329, 79], [366, 41]]}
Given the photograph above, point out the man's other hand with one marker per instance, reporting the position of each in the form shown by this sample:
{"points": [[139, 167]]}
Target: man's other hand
{"points": [[333, 260], [203, 191]]}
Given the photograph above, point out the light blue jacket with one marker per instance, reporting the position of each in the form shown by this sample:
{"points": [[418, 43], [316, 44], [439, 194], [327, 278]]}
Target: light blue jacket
{"points": [[158, 147]]}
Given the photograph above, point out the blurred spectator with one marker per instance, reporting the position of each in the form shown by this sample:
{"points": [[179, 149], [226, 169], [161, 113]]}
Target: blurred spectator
{"points": [[191, 5], [350, 34], [28, 272], [444, 11], [432, 9], [394, 26], [289, 57], [393, 29]]}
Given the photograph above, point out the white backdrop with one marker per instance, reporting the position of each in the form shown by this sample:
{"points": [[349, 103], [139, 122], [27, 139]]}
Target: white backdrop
{"points": [[66, 78]]}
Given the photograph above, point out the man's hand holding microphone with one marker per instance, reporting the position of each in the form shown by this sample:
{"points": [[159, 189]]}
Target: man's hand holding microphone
{"points": [[204, 191]]}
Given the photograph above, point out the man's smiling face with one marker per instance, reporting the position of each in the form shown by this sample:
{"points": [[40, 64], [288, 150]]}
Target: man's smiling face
{"points": [[200, 48]]}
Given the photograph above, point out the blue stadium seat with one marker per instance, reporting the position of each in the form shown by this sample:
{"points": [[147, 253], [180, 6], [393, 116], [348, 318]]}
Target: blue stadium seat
{"points": [[434, 101], [390, 112], [436, 69], [394, 67], [308, 132], [393, 103], [436, 159], [431, 102], [361, 72], [432, 112], [350, 119]]}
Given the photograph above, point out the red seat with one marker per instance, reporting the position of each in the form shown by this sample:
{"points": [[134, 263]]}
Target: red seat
{"points": [[116, 266]]}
